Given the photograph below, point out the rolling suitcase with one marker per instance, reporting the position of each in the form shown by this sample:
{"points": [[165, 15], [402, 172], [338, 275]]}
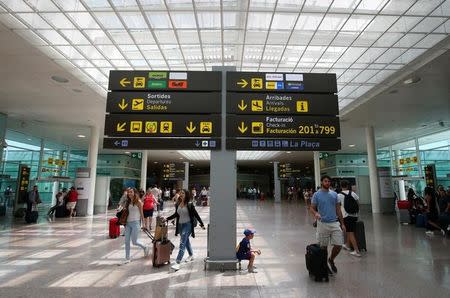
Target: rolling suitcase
{"points": [[31, 217], [3, 209], [162, 249], [114, 228], [60, 211], [421, 220], [360, 236], [316, 262]]}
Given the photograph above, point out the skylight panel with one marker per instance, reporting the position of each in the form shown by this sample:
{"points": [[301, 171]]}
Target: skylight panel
{"points": [[159, 20], [364, 76], [308, 21], [404, 24], [367, 38], [211, 36], [17, 5], [357, 23], [142, 36], [388, 39], [120, 63], [259, 20], [408, 40], [430, 40], [179, 4], [34, 21], [283, 21], [101, 63], [98, 37], [75, 37], [120, 36], [58, 20], [53, 37], [188, 36], [152, 4], [133, 20], [428, 24], [409, 56], [397, 7], [370, 6], [343, 6], [82, 63], [333, 22], [381, 23], [31, 37], [424, 7], [230, 20], [371, 55], [98, 4], [208, 20], [184, 20], [233, 36], [262, 4], [317, 5], [323, 38], [290, 4], [390, 55], [110, 52], [125, 5], [278, 37], [70, 52], [255, 37], [109, 20], [84, 20], [90, 51]]}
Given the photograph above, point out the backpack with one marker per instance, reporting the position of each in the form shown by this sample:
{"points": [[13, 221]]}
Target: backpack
{"points": [[351, 206], [148, 202]]}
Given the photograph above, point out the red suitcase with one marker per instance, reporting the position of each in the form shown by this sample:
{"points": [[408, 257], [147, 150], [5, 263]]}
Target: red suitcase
{"points": [[114, 228], [403, 204]]}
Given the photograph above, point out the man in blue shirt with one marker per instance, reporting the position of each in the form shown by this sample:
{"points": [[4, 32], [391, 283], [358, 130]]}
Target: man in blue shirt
{"points": [[244, 250], [326, 209]]}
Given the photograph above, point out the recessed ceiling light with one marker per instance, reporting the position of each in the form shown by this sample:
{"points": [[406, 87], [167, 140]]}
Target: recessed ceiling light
{"points": [[127, 152], [29, 139], [155, 162], [59, 79], [81, 136], [181, 157], [412, 80], [288, 152], [351, 145]]}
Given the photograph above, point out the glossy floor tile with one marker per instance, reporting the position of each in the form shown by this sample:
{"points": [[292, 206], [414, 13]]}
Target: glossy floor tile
{"points": [[75, 258]]}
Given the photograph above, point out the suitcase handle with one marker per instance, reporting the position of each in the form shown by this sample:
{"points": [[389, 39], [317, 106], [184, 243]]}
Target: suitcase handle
{"points": [[147, 232]]}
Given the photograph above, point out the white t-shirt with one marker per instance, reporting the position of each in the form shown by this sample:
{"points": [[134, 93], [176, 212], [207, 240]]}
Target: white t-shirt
{"points": [[341, 200]]}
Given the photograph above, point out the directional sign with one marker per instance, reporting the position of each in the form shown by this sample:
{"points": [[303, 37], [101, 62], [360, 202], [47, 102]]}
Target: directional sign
{"points": [[269, 144], [173, 171], [287, 103], [283, 126], [165, 80], [169, 125], [162, 143], [164, 102], [287, 170], [281, 82]]}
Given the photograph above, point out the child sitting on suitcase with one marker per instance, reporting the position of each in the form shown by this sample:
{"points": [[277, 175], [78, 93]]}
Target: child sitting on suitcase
{"points": [[245, 252]]}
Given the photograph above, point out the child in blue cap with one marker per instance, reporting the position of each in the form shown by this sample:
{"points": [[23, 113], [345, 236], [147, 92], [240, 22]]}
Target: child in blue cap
{"points": [[244, 251]]}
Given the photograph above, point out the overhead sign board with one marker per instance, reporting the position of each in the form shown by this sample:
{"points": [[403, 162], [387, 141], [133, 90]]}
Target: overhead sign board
{"points": [[168, 125], [173, 171], [283, 126], [282, 103], [287, 170], [281, 82], [164, 102], [162, 143], [165, 80], [280, 144]]}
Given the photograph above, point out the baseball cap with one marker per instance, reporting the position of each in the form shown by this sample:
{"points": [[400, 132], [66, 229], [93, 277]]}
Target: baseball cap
{"points": [[249, 232]]}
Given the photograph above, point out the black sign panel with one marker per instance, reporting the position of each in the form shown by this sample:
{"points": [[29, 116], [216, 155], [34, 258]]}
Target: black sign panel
{"points": [[162, 143], [281, 82], [279, 103], [165, 80], [283, 126], [173, 171], [164, 102], [168, 125], [287, 170], [266, 144], [23, 184]]}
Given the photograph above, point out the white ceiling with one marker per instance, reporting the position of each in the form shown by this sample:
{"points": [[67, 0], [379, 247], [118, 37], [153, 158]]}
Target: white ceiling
{"points": [[368, 44]]}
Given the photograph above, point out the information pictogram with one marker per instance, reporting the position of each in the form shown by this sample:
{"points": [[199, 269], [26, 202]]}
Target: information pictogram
{"points": [[151, 127], [166, 126], [257, 83], [302, 106], [257, 105], [257, 127], [139, 82], [137, 104], [205, 127], [136, 126]]}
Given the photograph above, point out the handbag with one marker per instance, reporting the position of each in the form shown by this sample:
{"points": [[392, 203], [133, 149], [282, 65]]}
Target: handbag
{"points": [[122, 215]]}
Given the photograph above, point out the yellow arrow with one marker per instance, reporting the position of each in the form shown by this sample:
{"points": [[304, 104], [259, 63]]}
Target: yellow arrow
{"points": [[243, 83], [124, 82], [123, 105], [121, 127], [191, 128], [242, 106], [242, 128]]}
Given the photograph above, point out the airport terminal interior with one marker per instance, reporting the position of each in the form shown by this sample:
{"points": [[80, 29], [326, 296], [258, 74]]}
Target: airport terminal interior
{"points": [[224, 148]]}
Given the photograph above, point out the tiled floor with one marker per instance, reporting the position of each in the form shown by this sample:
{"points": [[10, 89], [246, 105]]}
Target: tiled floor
{"points": [[74, 258]]}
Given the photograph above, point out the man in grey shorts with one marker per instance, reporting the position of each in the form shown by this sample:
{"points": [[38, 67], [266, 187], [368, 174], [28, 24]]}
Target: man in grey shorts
{"points": [[326, 209]]}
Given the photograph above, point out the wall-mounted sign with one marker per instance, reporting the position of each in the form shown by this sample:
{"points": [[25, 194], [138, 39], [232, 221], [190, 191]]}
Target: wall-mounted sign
{"points": [[162, 143], [23, 183], [173, 171], [270, 144]]}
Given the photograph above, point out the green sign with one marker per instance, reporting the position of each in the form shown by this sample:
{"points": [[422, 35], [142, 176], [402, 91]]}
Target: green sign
{"points": [[157, 84], [137, 155], [157, 75]]}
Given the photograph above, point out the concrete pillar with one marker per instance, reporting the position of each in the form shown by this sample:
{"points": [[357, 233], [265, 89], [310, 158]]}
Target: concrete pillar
{"points": [[144, 162], [373, 173], [55, 189], [276, 183], [420, 171], [101, 194], [41, 159], [317, 169], [92, 164], [186, 175], [2, 135], [401, 182], [222, 221]]}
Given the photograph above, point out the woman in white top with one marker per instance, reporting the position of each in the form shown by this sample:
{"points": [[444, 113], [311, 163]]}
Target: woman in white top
{"points": [[132, 228]]}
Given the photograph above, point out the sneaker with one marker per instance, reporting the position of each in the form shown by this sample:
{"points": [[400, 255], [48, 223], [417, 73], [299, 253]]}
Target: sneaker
{"points": [[429, 233], [346, 247], [125, 262], [355, 254], [146, 251], [252, 270], [189, 259], [175, 266], [333, 267]]}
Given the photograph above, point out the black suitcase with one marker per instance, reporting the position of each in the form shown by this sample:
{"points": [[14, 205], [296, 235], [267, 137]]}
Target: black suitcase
{"points": [[61, 211], [31, 217], [360, 236], [3, 210], [316, 262]]}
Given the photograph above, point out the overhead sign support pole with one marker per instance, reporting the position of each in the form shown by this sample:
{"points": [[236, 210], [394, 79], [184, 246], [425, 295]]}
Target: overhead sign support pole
{"points": [[222, 226], [276, 183]]}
